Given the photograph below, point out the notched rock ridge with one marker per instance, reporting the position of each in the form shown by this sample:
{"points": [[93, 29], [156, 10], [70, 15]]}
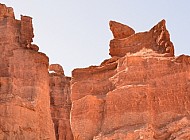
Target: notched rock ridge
{"points": [[156, 39]]}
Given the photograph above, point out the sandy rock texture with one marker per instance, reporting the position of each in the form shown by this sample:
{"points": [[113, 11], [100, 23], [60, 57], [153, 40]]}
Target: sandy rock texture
{"points": [[24, 82]]}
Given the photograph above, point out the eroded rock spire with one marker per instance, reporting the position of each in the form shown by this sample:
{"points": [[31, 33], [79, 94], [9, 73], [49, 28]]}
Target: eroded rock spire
{"points": [[154, 42]]}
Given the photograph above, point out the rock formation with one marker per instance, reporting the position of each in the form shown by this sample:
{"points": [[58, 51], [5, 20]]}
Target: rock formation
{"points": [[120, 31], [157, 39], [24, 82], [60, 102], [140, 93]]}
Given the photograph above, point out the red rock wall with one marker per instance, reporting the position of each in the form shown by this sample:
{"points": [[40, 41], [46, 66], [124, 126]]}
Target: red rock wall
{"points": [[142, 87], [60, 102], [24, 82]]}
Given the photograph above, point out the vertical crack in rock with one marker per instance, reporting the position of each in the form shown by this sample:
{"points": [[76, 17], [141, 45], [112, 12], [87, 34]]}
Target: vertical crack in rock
{"points": [[60, 102], [102, 117]]}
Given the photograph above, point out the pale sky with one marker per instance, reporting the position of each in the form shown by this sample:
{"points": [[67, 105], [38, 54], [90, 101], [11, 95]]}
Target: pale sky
{"points": [[76, 34]]}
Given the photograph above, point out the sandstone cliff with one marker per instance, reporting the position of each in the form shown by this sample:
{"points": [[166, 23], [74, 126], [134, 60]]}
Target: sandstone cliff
{"points": [[24, 82], [140, 93]]}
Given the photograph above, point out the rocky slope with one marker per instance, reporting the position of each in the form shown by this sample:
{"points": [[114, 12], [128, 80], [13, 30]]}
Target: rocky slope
{"points": [[140, 93]]}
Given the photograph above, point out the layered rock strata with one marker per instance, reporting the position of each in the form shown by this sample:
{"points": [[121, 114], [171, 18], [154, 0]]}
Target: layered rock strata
{"points": [[24, 82], [60, 102], [139, 93]]}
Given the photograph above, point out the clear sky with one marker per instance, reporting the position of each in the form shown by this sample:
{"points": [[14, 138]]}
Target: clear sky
{"points": [[76, 34]]}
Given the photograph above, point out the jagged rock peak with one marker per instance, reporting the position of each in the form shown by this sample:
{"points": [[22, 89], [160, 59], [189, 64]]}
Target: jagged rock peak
{"points": [[162, 37], [56, 68], [21, 31], [155, 42], [120, 31], [6, 11]]}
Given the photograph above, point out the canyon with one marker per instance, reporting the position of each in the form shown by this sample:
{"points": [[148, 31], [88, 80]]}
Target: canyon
{"points": [[142, 92]]}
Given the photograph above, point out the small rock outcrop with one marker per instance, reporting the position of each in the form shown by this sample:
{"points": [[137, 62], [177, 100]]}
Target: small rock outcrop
{"points": [[120, 30], [56, 68]]}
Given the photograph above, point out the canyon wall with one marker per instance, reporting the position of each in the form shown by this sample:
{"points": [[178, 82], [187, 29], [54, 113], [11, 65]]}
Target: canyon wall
{"points": [[24, 82], [141, 92]]}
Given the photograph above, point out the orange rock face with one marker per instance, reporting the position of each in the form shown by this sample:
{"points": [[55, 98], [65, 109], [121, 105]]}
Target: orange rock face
{"points": [[24, 82], [142, 92], [60, 102]]}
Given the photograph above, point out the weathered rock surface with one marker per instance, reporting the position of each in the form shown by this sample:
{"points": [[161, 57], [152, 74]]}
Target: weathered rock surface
{"points": [[177, 130], [139, 93], [24, 82], [60, 102]]}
